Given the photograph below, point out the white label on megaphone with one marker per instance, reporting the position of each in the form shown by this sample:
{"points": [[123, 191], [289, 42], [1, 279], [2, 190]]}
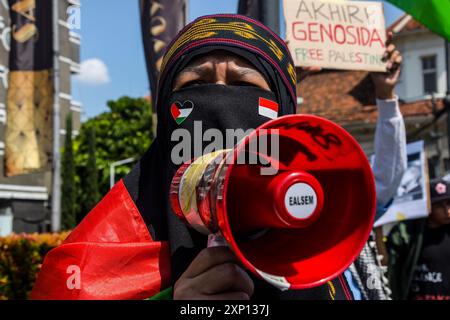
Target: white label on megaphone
{"points": [[300, 200], [277, 281]]}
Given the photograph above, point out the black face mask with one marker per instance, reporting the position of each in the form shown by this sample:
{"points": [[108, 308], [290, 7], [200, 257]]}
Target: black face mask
{"points": [[208, 106], [194, 110]]}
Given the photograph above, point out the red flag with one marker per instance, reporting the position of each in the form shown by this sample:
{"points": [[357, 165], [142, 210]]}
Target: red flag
{"points": [[110, 255]]}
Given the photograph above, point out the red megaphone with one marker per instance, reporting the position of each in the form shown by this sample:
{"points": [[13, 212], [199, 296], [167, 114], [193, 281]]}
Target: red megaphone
{"points": [[295, 200]]}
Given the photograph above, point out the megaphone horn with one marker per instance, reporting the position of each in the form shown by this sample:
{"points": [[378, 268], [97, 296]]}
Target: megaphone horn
{"points": [[297, 228]]}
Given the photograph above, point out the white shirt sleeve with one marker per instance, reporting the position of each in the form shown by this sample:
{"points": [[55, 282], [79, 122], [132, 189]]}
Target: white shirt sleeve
{"points": [[390, 159]]}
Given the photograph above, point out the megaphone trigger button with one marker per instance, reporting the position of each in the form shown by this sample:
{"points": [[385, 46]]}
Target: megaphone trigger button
{"points": [[216, 240]]}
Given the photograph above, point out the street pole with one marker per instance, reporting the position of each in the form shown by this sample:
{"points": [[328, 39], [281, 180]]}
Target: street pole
{"points": [[112, 170], [447, 97], [447, 63], [270, 14], [186, 11], [56, 163]]}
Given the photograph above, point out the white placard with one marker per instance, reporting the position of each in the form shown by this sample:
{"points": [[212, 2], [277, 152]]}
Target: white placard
{"points": [[412, 198], [335, 34]]}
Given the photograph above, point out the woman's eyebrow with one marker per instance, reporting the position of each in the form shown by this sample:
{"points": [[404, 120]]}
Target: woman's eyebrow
{"points": [[244, 71], [200, 70], [205, 70]]}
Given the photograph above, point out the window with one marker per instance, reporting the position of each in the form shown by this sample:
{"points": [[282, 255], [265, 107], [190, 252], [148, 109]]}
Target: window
{"points": [[429, 74]]}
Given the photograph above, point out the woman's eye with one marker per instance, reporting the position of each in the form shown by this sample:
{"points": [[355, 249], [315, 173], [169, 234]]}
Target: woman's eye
{"points": [[244, 83], [192, 83]]}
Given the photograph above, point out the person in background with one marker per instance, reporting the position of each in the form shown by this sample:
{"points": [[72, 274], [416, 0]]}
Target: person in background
{"points": [[366, 276], [389, 165], [419, 251]]}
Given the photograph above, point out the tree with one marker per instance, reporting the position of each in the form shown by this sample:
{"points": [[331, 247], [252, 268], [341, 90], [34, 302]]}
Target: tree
{"points": [[68, 192], [90, 182], [125, 131]]}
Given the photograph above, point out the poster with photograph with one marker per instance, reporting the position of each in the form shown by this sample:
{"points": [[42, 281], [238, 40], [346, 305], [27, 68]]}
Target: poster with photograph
{"points": [[412, 198], [349, 35]]}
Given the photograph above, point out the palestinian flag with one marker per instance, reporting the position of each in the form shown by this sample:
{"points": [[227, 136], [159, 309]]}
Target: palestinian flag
{"points": [[110, 255], [180, 111], [433, 14], [268, 108]]}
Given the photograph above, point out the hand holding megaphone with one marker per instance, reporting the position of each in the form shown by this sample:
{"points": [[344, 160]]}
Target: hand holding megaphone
{"points": [[295, 200], [214, 274]]}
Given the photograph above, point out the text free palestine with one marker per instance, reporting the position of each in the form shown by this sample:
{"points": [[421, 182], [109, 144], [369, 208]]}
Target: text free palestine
{"points": [[303, 54]]}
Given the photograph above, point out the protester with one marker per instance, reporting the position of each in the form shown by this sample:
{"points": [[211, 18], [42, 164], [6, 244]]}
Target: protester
{"points": [[366, 276], [419, 251], [389, 165], [131, 245]]}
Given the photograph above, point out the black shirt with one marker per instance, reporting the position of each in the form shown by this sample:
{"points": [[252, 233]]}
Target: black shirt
{"points": [[431, 279]]}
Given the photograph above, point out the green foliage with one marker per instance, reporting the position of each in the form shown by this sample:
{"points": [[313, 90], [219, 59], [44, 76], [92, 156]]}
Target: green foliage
{"points": [[125, 131], [21, 257], [68, 192]]}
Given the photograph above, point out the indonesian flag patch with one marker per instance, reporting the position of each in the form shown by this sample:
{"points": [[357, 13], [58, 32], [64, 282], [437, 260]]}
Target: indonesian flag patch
{"points": [[268, 108], [181, 111]]}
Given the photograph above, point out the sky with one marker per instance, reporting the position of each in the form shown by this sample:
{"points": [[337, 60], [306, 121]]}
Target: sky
{"points": [[112, 56]]}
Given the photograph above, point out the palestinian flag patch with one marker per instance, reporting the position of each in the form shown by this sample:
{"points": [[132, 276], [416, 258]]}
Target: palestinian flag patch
{"points": [[268, 108], [181, 111]]}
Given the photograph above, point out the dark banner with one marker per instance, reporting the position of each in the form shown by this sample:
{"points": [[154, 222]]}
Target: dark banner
{"points": [[250, 8], [160, 22], [29, 126]]}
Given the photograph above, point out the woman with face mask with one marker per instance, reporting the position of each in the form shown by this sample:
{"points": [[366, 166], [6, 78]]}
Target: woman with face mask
{"points": [[132, 245]]}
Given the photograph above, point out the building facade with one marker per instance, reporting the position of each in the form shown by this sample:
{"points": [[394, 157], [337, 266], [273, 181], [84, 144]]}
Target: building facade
{"points": [[27, 198], [424, 80]]}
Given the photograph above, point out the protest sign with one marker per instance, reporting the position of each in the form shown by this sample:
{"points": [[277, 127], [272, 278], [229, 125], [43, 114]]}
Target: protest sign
{"points": [[412, 198], [335, 34]]}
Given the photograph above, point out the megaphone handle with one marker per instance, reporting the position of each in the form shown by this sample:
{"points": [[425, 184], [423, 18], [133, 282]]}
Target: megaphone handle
{"points": [[216, 240]]}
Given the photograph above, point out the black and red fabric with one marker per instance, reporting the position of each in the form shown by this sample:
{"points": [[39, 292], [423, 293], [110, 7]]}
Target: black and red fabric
{"points": [[232, 31], [112, 253], [132, 246]]}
